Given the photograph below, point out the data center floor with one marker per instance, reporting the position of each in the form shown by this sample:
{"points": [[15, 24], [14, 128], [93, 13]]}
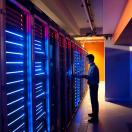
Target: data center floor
{"points": [[112, 117]]}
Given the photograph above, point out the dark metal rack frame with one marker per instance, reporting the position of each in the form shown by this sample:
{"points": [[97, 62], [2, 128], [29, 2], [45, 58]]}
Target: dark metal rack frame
{"points": [[57, 104], [63, 88], [46, 68], [4, 112], [69, 74], [2, 65]]}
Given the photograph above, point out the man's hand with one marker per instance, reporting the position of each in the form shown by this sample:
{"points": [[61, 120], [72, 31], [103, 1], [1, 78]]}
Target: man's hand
{"points": [[80, 76], [84, 76]]}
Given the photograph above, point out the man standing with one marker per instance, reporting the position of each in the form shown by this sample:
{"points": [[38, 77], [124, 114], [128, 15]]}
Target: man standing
{"points": [[93, 80]]}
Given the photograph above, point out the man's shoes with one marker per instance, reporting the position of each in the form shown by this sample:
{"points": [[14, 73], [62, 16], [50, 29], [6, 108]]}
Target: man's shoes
{"points": [[93, 120], [91, 115]]}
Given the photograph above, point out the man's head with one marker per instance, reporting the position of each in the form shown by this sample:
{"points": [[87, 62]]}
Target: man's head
{"points": [[90, 58]]}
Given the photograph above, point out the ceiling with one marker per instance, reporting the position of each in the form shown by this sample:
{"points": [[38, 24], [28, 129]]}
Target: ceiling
{"points": [[112, 11], [70, 14]]}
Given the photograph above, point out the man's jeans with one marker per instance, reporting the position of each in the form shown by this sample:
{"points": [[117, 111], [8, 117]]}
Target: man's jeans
{"points": [[94, 99]]}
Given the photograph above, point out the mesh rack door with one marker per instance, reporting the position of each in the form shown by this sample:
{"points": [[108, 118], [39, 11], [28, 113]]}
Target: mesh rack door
{"points": [[39, 99], [75, 81], [15, 53], [63, 88], [69, 90], [53, 79]]}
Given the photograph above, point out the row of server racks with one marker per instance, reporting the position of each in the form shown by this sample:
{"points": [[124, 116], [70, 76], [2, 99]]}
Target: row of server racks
{"points": [[37, 60]]}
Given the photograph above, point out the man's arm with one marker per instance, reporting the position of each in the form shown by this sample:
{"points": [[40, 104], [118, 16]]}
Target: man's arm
{"points": [[81, 76]]}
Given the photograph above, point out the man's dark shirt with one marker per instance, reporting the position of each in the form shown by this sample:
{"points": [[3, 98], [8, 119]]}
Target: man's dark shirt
{"points": [[93, 74]]}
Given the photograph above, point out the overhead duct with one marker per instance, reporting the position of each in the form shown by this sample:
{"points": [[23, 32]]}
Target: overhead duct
{"points": [[87, 10]]}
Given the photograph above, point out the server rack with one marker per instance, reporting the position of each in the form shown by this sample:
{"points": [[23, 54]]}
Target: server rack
{"points": [[82, 70], [1, 58], [84, 67], [73, 48], [63, 87], [15, 63], [41, 110], [85, 70], [54, 80], [77, 80], [77, 68], [69, 87]]}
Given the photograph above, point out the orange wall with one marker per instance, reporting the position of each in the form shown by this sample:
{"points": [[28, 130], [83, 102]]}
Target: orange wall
{"points": [[97, 49]]}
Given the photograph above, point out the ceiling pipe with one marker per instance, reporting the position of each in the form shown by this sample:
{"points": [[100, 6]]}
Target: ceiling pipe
{"points": [[88, 15]]}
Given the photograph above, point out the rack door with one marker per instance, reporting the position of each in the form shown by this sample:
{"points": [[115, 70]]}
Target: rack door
{"points": [[40, 78], [15, 64]]}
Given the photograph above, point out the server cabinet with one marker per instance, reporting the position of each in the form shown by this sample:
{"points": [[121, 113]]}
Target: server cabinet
{"points": [[73, 79], [68, 81], [82, 71], [14, 60], [41, 110], [85, 70], [77, 62], [54, 80], [84, 67], [1, 64], [76, 83], [63, 87]]}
